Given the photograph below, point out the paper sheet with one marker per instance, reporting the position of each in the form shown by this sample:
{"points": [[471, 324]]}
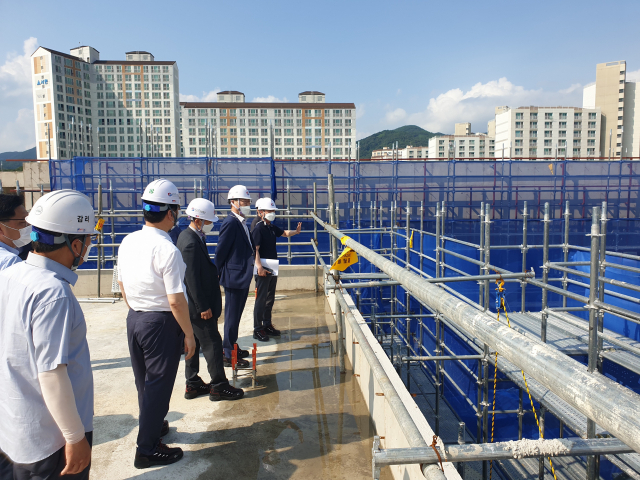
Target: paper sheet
{"points": [[268, 263]]}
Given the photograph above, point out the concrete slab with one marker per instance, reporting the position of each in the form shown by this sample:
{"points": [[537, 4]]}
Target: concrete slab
{"points": [[302, 421]]}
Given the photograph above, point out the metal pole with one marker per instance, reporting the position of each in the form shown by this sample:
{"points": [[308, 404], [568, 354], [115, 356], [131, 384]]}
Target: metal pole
{"points": [[481, 254], [565, 250], [315, 237], [332, 218], [437, 239], [289, 221], [408, 232], [485, 401], [99, 266], [541, 433], [612, 406], [487, 254], [593, 326], [525, 216], [421, 237], [603, 268], [438, 380], [340, 329], [545, 273], [443, 217]]}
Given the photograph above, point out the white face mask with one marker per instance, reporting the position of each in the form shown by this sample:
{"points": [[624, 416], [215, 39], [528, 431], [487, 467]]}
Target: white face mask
{"points": [[207, 228], [270, 216], [25, 236], [85, 257], [245, 211]]}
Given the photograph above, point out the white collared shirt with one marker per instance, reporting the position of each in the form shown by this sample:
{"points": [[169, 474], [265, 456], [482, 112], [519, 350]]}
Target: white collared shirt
{"points": [[150, 267], [8, 256], [42, 327], [244, 224]]}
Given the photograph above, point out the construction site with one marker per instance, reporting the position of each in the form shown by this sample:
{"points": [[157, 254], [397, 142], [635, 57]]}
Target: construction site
{"points": [[441, 320]]}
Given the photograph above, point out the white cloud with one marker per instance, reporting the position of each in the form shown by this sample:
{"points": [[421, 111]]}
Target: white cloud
{"points": [[15, 73], [477, 105], [396, 115], [16, 100], [633, 76], [211, 96], [18, 134], [572, 88], [270, 99], [360, 111]]}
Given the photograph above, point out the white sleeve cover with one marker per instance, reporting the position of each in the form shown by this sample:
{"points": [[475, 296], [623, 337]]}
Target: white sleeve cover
{"points": [[61, 402]]}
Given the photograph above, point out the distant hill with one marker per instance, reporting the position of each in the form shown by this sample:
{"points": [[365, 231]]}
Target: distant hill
{"points": [[407, 135], [27, 154]]}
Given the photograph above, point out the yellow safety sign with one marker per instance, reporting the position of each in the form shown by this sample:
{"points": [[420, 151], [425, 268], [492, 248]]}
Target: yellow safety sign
{"points": [[100, 225], [347, 258], [411, 240]]}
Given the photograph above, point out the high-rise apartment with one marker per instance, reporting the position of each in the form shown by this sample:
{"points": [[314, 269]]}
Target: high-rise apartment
{"points": [[619, 102], [462, 129], [539, 132], [232, 127], [85, 106]]}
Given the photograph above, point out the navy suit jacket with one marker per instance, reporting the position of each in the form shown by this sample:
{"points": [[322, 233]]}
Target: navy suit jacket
{"points": [[234, 254]]}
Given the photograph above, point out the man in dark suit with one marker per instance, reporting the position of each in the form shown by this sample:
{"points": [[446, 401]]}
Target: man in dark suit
{"points": [[234, 259], [205, 305]]}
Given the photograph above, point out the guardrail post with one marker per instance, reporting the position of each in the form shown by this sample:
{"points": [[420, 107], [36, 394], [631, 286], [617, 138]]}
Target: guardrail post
{"points": [[438, 382], [408, 232], [593, 326], [421, 236], [289, 222], [603, 268], [461, 441], [525, 248], [485, 396], [340, 329], [98, 266], [520, 414], [443, 217], [332, 219], [315, 237]]}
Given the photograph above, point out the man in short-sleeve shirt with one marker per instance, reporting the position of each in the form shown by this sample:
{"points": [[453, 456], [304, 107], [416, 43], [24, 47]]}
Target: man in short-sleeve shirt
{"points": [[264, 234], [46, 412], [151, 278]]}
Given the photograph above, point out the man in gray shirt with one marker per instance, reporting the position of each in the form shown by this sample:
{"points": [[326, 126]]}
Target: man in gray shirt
{"points": [[46, 412]]}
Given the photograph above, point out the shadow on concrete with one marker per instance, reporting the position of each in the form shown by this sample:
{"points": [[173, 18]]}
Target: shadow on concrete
{"points": [[108, 363], [277, 448], [108, 428]]}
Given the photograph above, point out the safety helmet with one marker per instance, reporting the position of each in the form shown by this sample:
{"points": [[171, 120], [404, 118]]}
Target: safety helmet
{"points": [[266, 204], [238, 191], [162, 191], [203, 209], [63, 211]]}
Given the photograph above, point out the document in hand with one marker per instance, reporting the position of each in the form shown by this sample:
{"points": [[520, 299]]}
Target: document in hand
{"points": [[268, 263]]}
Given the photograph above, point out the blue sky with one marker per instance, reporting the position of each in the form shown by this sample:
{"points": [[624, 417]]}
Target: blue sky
{"points": [[426, 63]]}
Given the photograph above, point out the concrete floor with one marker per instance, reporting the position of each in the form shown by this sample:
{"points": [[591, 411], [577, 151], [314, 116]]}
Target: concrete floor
{"points": [[300, 422]]}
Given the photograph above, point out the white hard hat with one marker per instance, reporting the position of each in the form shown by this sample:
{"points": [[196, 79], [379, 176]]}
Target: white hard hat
{"points": [[239, 191], [63, 211], [266, 204], [162, 191], [203, 209]]}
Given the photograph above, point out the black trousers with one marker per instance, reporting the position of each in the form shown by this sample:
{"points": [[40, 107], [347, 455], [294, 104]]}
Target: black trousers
{"points": [[155, 344], [265, 296], [50, 467], [209, 340], [6, 467], [234, 302]]}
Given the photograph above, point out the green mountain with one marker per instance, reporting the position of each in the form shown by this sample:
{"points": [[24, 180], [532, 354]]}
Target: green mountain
{"points": [[407, 135], [27, 154]]}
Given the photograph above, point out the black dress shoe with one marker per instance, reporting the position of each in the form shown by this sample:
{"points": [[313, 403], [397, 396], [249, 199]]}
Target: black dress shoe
{"points": [[272, 331], [261, 336], [242, 353], [226, 392], [192, 391], [165, 428], [163, 455], [242, 363]]}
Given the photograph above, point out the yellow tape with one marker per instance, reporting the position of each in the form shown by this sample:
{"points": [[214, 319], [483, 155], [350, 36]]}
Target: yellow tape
{"points": [[343, 240], [347, 258], [411, 240]]}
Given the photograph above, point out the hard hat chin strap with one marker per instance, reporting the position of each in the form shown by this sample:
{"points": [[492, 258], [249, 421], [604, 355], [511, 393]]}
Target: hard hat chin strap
{"points": [[76, 260]]}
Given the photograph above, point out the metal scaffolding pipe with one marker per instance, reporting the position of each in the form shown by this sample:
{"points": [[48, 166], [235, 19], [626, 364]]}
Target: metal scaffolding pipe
{"points": [[500, 451], [612, 406]]}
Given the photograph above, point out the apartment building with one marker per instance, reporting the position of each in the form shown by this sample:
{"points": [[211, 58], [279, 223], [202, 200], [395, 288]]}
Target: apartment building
{"points": [[407, 153], [547, 132], [471, 146], [232, 127], [85, 106], [462, 129], [617, 100]]}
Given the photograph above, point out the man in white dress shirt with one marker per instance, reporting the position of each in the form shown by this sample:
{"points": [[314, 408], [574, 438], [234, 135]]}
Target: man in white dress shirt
{"points": [[151, 277]]}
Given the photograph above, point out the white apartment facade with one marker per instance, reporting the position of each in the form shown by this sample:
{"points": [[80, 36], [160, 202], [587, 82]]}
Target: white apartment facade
{"points": [[233, 128], [468, 147], [547, 132], [85, 106], [407, 153]]}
